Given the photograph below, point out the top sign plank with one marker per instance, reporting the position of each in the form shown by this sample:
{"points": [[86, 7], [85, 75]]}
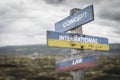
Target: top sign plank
{"points": [[79, 18]]}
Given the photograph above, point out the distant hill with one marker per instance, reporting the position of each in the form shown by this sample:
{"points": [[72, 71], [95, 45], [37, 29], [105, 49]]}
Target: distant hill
{"points": [[43, 49], [114, 49], [30, 49]]}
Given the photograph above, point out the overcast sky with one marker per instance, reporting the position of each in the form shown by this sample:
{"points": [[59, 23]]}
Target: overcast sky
{"points": [[25, 22]]}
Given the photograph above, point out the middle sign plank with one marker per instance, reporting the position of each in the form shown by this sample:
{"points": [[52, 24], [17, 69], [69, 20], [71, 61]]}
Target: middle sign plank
{"points": [[81, 17], [76, 41]]}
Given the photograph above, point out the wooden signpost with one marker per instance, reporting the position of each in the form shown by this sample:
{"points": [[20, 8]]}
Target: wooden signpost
{"points": [[77, 41], [80, 73]]}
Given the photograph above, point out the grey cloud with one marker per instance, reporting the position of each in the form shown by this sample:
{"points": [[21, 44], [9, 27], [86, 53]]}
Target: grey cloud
{"points": [[9, 13], [109, 14], [81, 3], [117, 31], [28, 18], [89, 1], [54, 1], [110, 10]]}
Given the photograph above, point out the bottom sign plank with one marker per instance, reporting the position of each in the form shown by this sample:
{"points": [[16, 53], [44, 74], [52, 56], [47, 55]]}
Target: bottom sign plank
{"points": [[76, 63]]}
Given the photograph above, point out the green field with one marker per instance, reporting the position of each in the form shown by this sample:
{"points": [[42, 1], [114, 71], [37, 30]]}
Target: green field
{"points": [[43, 68]]}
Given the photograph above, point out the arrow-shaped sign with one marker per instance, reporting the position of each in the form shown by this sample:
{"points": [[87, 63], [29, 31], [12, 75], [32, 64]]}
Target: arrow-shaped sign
{"points": [[76, 41], [76, 63], [80, 17]]}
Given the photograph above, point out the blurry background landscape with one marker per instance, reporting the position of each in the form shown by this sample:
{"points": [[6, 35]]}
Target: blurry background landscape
{"points": [[37, 62], [24, 54], [44, 50]]}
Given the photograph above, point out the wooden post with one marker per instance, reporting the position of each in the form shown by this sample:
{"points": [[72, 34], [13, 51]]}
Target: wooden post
{"points": [[78, 74]]}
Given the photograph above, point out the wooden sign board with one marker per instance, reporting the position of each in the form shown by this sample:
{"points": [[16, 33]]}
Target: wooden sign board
{"points": [[76, 41], [76, 63], [79, 18]]}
